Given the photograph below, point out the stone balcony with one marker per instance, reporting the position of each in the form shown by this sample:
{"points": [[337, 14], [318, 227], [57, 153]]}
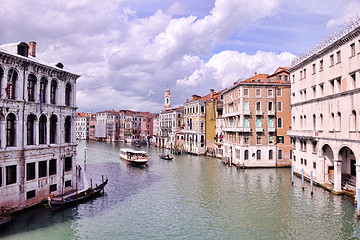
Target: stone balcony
{"points": [[303, 133], [259, 129], [247, 112], [271, 113], [271, 129], [259, 112]]}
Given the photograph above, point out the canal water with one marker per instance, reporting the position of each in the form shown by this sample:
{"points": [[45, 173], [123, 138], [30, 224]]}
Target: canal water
{"points": [[191, 197]]}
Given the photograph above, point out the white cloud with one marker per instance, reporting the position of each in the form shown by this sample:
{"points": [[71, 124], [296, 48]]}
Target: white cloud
{"points": [[343, 14]]}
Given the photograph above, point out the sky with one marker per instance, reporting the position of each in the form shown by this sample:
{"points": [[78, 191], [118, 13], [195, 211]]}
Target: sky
{"points": [[128, 51]]}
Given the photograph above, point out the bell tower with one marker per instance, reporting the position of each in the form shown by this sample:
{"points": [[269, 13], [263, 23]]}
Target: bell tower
{"points": [[167, 96]]}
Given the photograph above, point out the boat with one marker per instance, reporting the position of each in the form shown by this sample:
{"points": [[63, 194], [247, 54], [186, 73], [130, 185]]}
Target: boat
{"points": [[137, 144], [166, 157], [76, 197], [134, 157], [5, 217]]}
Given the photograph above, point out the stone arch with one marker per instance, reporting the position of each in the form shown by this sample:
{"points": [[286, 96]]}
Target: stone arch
{"points": [[326, 151], [347, 157]]}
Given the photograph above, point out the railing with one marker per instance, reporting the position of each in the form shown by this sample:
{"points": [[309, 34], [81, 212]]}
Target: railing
{"points": [[259, 112], [259, 129]]}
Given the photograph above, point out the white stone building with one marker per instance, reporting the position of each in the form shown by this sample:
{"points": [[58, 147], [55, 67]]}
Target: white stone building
{"points": [[37, 127], [82, 125], [325, 105]]}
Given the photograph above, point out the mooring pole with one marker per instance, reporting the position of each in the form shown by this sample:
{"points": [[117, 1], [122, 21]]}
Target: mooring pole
{"points": [[302, 179], [358, 202], [292, 174], [311, 182], [102, 179], [84, 154]]}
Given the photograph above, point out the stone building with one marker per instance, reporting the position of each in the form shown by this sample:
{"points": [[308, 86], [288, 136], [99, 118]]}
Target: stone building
{"points": [[325, 102], [82, 125], [37, 127], [256, 117]]}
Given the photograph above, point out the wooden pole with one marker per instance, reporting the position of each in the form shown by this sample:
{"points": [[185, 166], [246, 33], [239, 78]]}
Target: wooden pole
{"points": [[358, 202], [302, 179], [102, 179], [292, 174], [311, 182]]}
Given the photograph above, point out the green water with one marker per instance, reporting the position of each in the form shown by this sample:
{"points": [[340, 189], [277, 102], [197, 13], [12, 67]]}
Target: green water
{"points": [[190, 197]]}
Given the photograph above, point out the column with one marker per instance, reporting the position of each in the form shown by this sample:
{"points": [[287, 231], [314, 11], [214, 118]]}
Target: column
{"points": [[320, 169], [48, 131], [337, 175], [3, 133], [36, 127]]}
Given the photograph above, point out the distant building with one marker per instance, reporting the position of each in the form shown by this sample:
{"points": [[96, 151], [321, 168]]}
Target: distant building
{"points": [[325, 102], [200, 123], [105, 125], [257, 117], [37, 133], [82, 125]]}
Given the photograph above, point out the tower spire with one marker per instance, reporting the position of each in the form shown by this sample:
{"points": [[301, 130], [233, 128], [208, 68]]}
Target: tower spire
{"points": [[167, 96]]}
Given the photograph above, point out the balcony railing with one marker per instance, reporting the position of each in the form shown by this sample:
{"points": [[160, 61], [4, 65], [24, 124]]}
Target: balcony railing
{"points": [[271, 129], [259, 112], [271, 113], [247, 112], [259, 129]]}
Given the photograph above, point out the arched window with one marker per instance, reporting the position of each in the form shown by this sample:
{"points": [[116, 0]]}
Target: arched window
{"points": [[31, 87], [280, 123], [258, 122], [258, 106], [246, 122], [353, 121], [246, 155], [30, 129], [279, 106], [338, 122], [68, 129], [42, 129], [270, 106], [53, 123], [332, 122], [1, 79], [258, 154], [271, 123], [43, 85], [68, 94], [314, 122], [11, 84], [246, 106], [190, 123], [321, 122], [10, 130], [53, 88], [271, 155]]}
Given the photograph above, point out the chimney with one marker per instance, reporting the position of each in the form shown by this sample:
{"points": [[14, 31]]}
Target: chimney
{"points": [[212, 93], [32, 49], [255, 73], [187, 100]]}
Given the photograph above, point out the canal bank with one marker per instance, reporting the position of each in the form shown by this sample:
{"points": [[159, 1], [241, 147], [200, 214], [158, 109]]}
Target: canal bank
{"points": [[192, 197]]}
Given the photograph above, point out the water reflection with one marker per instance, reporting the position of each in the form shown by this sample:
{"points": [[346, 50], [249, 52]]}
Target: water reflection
{"points": [[190, 197]]}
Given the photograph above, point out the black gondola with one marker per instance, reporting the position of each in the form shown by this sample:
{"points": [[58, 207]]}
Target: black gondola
{"points": [[166, 157], [75, 198]]}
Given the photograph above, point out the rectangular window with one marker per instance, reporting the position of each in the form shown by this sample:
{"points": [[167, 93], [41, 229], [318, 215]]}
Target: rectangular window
{"points": [[352, 50], [68, 183], [270, 93], [305, 162], [321, 89], [294, 159], [291, 154], [314, 68], [258, 92], [68, 164], [246, 140], [293, 78], [338, 57], [271, 139], [30, 194], [280, 154], [280, 139], [301, 76], [321, 65], [353, 78], [42, 169], [304, 73], [279, 106], [279, 92], [10, 174], [53, 188], [30, 171], [258, 139], [331, 60], [314, 165], [332, 86], [302, 161], [246, 92], [286, 78], [52, 167]]}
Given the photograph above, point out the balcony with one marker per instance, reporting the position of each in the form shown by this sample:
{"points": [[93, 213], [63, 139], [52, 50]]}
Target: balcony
{"points": [[303, 133], [230, 129], [271, 113], [271, 129], [259, 112], [247, 129], [259, 129], [247, 112]]}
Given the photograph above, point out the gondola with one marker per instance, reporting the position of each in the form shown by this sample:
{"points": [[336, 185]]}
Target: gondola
{"points": [[75, 198], [166, 157]]}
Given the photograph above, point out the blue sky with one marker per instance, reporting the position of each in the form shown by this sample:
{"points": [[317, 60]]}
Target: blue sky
{"points": [[127, 52]]}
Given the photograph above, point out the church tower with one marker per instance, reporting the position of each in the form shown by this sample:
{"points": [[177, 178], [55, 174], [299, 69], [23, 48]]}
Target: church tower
{"points": [[167, 96]]}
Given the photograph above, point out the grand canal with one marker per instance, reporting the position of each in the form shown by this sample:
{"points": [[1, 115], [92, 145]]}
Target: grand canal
{"points": [[190, 197]]}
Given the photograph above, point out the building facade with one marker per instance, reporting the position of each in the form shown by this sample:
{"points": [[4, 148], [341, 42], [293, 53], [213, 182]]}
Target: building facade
{"points": [[37, 127], [325, 102], [256, 117], [82, 125]]}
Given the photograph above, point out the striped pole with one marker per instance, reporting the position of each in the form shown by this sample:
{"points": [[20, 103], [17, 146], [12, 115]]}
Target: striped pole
{"points": [[292, 174], [311, 182], [302, 179]]}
